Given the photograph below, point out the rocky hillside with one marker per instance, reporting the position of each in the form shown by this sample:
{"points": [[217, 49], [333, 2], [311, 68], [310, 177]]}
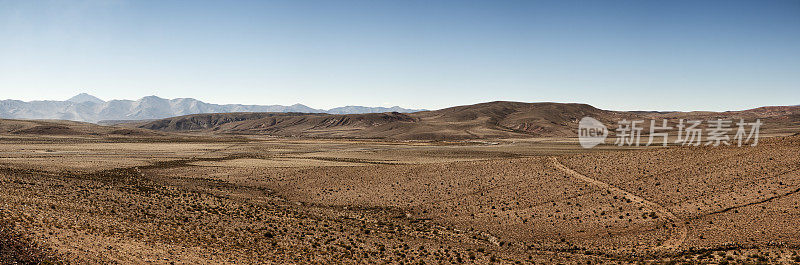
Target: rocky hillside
{"points": [[499, 119]]}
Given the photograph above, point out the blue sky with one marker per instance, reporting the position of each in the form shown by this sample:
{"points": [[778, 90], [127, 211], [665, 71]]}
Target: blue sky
{"points": [[620, 55]]}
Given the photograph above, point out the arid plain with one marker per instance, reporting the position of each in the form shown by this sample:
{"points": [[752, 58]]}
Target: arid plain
{"points": [[82, 193]]}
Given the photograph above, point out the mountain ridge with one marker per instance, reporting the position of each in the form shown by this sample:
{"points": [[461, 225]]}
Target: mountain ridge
{"points": [[84, 97], [490, 120], [499, 119], [88, 108]]}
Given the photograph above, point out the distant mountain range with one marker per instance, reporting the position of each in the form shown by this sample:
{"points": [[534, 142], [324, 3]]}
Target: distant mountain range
{"points": [[88, 108], [491, 120], [500, 119]]}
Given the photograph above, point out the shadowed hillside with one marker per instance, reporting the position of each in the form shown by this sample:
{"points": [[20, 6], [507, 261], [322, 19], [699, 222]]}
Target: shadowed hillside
{"points": [[491, 120], [498, 119], [66, 128]]}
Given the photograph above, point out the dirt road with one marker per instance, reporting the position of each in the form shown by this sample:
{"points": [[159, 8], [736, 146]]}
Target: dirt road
{"points": [[677, 236]]}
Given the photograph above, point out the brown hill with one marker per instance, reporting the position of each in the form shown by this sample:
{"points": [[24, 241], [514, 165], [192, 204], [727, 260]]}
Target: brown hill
{"points": [[67, 128], [756, 113], [775, 118], [771, 111], [540, 119], [500, 119], [491, 120]]}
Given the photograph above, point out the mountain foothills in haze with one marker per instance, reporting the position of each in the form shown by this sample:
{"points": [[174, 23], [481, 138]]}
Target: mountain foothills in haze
{"points": [[490, 120], [88, 108]]}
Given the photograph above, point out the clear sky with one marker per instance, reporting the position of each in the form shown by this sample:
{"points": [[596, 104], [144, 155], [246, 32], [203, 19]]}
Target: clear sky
{"points": [[620, 55]]}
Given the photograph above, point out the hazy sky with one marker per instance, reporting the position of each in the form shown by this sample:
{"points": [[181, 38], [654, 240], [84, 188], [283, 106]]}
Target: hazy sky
{"points": [[620, 55]]}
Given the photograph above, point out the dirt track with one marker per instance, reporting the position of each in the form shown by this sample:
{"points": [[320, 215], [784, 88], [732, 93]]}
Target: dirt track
{"points": [[325, 201], [678, 236]]}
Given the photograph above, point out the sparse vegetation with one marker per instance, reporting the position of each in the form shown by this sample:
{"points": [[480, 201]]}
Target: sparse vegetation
{"points": [[163, 198]]}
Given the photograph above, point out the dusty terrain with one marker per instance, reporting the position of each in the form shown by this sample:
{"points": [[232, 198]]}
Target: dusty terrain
{"points": [[83, 193], [258, 199]]}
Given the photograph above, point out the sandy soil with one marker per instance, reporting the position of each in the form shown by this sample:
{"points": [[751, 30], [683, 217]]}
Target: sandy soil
{"points": [[285, 200]]}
